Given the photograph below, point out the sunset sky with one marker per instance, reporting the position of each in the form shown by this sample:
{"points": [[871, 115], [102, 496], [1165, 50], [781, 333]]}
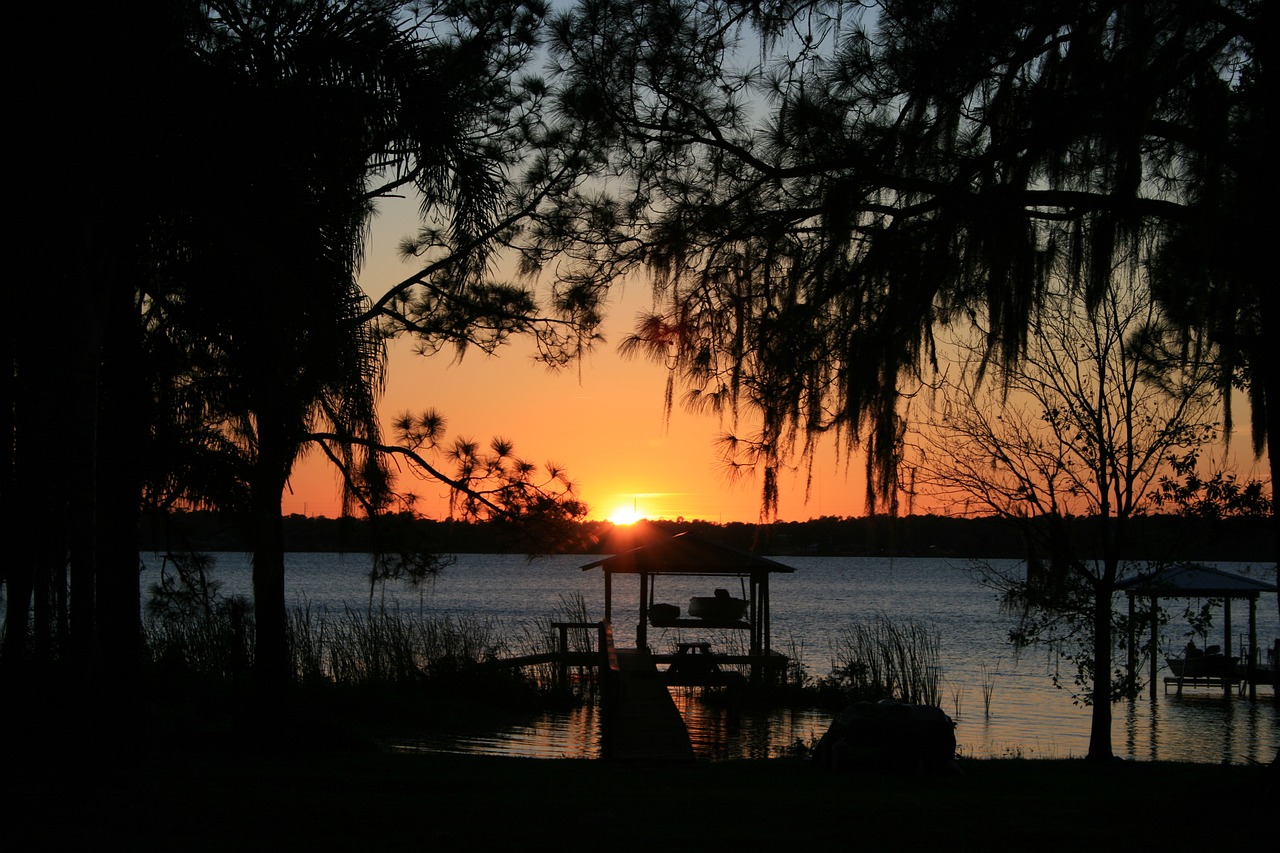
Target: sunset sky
{"points": [[603, 421]]}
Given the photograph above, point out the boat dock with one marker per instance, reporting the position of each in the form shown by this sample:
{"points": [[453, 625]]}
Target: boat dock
{"points": [[639, 719], [1191, 580]]}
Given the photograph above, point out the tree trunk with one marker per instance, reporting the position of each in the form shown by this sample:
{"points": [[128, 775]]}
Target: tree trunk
{"points": [[117, 491], [29, 394], [271, 644], [271, 641], [1270, 377], [1100, 728]]}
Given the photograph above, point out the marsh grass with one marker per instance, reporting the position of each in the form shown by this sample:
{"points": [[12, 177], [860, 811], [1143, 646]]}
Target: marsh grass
{"points": [[541, 637], [217, 642], [957, 700], [884, 659], [988, 686], [376, 647], [384, 646]]}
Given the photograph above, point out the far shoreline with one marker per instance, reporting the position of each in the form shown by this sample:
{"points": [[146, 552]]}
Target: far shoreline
{"points": [[1155, 537]]}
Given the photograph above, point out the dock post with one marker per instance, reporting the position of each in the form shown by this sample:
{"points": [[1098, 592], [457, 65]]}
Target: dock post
{"points": [[1226, 641], [1155, 644], [1251, 665]]}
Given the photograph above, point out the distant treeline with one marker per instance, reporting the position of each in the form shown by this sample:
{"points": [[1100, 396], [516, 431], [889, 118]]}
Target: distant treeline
{"points": [[1156, 537]]}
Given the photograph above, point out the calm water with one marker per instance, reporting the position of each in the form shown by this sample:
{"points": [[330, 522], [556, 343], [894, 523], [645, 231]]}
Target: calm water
{"points": [[1028, 716]]}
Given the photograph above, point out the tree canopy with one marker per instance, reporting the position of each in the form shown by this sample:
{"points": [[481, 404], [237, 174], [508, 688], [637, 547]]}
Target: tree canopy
{"points": [[816, 186], [226, 333]]}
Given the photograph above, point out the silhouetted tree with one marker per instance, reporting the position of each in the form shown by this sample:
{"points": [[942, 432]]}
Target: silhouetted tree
{"points": [[310, 111], [94, 103], [532, 505], [1068, 443], [224, 325], [816, 186]]}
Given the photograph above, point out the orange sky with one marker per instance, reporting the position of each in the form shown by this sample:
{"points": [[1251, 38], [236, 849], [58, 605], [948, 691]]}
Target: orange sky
{"points": [[604, 423]]}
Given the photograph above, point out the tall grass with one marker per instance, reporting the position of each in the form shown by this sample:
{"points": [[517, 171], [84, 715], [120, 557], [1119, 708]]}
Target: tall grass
{"points": [[988, 686], [381, 646], [216, 643], [541, 637], [883, 659], [352, 648]]}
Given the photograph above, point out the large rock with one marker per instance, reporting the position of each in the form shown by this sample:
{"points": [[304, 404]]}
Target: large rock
{"points": [[889, 737]]}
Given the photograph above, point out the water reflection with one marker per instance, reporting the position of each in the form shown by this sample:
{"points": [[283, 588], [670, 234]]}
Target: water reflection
{"points": [[561, 734], [720, 731], [1195, 727]]}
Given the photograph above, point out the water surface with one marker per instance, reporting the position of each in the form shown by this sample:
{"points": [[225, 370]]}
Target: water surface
{"points": [[1027, 715]]}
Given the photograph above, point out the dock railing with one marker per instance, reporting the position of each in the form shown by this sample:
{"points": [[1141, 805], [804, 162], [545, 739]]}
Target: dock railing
{"points": [[604, 655]]}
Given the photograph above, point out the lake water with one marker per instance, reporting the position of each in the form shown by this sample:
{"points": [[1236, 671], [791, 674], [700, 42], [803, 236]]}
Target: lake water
{"points": [[1028, 716]]}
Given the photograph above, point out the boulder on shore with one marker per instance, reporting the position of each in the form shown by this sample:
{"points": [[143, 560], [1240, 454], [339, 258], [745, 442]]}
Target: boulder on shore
{"points": [[889, 737]]}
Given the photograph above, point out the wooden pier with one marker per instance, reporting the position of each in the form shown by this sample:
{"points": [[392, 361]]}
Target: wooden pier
{"points": [[639, 720], [1216, 682]]}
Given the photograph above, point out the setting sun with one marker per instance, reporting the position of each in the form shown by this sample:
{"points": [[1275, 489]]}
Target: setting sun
{"points": [[624, 514]]}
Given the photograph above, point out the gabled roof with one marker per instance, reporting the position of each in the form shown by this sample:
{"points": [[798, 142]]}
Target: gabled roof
{"points": [[1192, 580], [687, 554]]}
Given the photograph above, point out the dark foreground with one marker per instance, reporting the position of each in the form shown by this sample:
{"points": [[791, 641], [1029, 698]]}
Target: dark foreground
{"points": [[366, 799]]}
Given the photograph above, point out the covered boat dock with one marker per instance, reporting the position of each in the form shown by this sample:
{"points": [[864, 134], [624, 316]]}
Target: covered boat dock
{"points": [[1192, 580], [640, 720], [688, 555]]}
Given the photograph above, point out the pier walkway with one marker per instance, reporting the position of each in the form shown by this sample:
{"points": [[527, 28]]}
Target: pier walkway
{"points": [[640, 722]]}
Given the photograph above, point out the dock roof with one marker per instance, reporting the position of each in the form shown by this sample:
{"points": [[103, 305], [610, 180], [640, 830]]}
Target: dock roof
{"points": [[1192, 580]]}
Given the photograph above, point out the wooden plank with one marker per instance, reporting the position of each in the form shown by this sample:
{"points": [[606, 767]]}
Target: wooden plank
{"points": [[641, 721]]}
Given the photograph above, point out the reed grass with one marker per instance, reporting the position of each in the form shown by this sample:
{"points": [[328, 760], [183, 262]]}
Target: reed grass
{"points": [[988, 686], [541, 637], [883, 659], [217, 643], [354, 647], [384, 646]]}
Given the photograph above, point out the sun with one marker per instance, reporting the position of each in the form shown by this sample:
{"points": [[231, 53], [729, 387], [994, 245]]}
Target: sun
{"points": [[624, 514]]}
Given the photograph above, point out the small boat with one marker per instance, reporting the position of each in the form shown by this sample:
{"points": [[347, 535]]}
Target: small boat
{"points": [[663, 614], [720, 607], [1215, 665]]}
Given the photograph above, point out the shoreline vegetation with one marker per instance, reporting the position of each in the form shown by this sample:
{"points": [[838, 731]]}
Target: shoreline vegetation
{"points": [[191, 762], [1154, 537], [200, 759]]}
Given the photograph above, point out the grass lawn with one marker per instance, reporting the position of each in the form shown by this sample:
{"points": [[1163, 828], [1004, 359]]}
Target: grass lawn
{"points": [[78, 774], [366, 799]]}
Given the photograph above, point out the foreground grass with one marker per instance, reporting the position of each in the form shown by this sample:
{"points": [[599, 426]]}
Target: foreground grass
{"points": [[189, 770], [367, 799]]}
